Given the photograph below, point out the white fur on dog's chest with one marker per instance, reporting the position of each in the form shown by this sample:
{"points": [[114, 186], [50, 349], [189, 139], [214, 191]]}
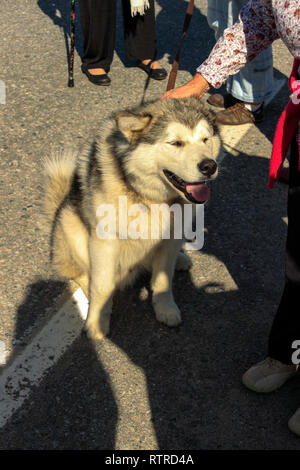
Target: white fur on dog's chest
{"points": [[134, 255]]}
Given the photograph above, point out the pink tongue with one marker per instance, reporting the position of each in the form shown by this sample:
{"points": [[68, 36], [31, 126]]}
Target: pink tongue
{"points": [[200, 191]]}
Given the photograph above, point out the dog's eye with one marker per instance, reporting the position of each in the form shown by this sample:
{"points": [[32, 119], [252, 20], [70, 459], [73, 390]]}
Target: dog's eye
{"points": [[205, 140], [177, 143]]}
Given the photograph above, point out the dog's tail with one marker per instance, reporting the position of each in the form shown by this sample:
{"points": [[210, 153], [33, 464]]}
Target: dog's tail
{"points": [[59, 170]]}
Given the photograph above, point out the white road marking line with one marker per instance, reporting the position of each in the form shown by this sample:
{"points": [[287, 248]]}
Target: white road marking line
{"points": [[30, 366], [3, 353]]}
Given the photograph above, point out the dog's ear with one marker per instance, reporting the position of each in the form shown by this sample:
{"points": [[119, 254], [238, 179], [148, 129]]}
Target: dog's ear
{"points": [[132, 125]]}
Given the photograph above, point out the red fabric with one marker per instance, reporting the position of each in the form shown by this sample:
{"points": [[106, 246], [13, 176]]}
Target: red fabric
{"points": [[286, 127]]}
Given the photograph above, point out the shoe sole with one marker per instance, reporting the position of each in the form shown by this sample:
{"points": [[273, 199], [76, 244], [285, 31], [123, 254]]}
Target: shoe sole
{"points": [[99, 84], [159, 79], [149, 73], [257, 121]]}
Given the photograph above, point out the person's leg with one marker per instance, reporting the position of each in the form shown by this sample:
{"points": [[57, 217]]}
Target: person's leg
{"points": [[98, 20], [139, 32], [218, 16], [286, 326], [253, 84], [274, 371], [140, 40]]}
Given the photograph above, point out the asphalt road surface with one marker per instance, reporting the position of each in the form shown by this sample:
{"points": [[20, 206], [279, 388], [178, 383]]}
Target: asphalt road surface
{"points": [[146, 386]]}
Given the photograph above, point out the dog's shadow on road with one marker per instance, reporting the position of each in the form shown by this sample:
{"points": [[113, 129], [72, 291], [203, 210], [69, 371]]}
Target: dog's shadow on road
{"points": [[193, 372], [71, 405]]}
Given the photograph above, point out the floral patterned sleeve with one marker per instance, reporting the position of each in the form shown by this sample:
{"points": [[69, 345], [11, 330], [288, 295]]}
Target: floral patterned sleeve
{"points": [[254, 32]]}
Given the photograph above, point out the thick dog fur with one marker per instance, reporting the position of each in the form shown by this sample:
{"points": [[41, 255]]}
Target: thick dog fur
{"points": [[126, 158]]}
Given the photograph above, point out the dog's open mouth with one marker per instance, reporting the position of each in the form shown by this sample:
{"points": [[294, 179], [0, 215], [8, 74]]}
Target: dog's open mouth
{"points": [[197, 193]]}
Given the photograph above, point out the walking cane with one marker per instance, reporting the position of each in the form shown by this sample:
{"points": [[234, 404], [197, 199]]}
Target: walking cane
{"points": [[72, 36], [187, 20]]}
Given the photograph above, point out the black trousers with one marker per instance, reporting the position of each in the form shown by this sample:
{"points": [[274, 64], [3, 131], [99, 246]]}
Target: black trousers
{"points": [[98, 20], [286, 325]]}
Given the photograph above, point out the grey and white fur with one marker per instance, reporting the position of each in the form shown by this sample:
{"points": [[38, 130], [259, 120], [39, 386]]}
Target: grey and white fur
{"points": [[150, 154]]}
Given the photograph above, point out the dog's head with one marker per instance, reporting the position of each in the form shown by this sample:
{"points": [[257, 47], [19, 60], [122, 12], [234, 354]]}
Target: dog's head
{"points": [[172, 148]]}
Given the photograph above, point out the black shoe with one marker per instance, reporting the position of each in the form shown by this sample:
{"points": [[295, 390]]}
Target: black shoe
{"points": [[259, 113], [156, 74], [102, 80]]}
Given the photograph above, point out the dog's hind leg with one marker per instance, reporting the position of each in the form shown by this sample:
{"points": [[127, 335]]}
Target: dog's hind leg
{"points": [[70, 246], [163, 266]]}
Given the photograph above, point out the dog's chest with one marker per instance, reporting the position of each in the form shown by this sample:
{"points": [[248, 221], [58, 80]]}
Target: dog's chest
{"points": [[135, 255]]}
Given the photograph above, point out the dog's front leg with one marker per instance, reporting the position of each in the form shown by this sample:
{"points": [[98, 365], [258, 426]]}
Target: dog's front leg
{"points": [[101, 288], [163, 267]]}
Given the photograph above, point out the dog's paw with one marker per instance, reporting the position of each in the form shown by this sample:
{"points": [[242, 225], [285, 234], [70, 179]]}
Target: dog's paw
{"points": [[94, 332], [167, 313], [183, 262]]}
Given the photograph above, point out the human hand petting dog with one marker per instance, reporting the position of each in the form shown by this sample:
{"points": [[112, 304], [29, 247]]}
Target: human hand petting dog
{"points": [[197, 86]]}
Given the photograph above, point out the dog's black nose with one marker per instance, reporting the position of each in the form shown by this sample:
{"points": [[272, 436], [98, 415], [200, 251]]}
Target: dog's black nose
{"points": [[208, 167]]}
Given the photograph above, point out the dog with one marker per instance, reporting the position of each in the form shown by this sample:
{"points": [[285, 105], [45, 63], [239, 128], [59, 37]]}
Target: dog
{"points": [[160, 153]]}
